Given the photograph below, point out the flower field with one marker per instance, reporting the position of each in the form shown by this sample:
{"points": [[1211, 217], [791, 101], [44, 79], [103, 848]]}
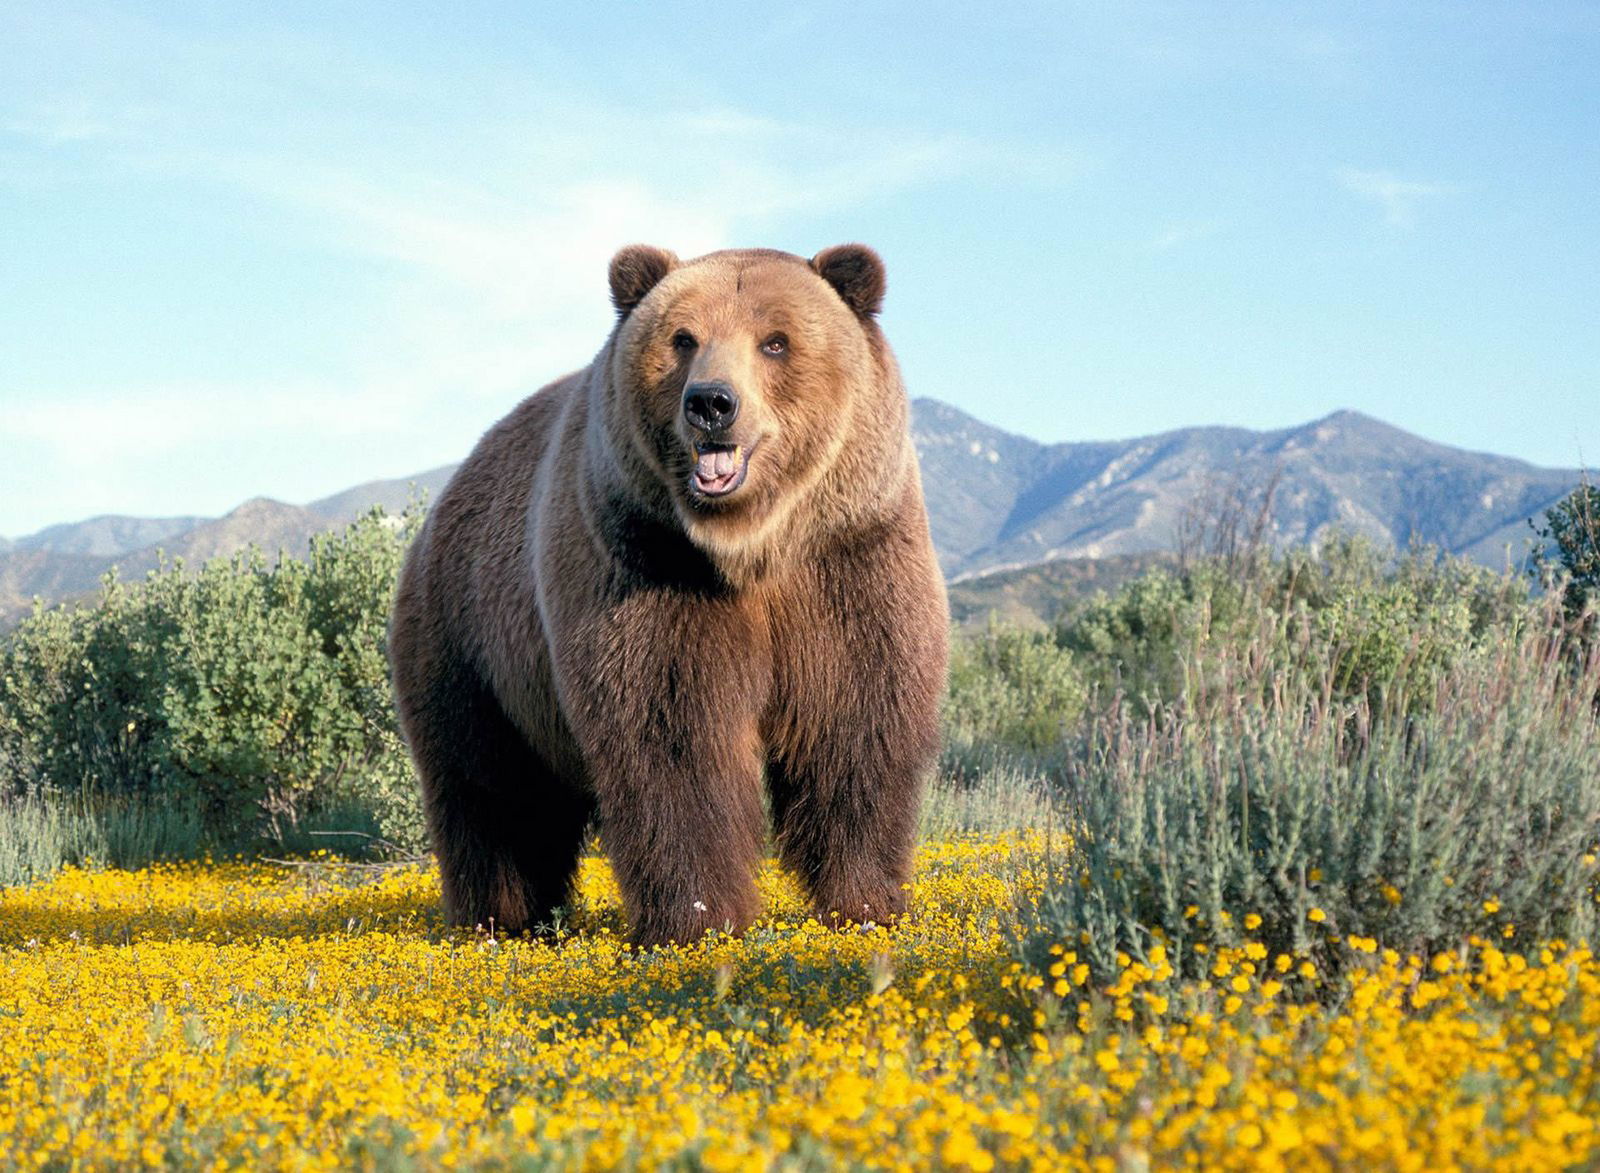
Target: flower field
{"points": [[258, 1015]]}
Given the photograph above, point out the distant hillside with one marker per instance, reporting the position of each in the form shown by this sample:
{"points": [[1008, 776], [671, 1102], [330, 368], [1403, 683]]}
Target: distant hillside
{"points": [[31, 569], [393, 495], [1037, 595], [996, 501], [272, 525], [105, 536], [25, 574], [67, 561]]}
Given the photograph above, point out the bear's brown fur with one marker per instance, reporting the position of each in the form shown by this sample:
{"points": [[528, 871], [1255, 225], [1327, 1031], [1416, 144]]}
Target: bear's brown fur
{"points": [[627, 605]]}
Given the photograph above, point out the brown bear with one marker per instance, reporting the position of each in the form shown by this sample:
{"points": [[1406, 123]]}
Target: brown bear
{"points": [[696, 566]]}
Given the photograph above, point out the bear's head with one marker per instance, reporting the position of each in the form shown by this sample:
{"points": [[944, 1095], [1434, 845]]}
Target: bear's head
{"points": [[750, 380]]}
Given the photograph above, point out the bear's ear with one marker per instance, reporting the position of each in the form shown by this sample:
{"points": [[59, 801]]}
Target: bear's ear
{"points": [[634, 273], [856, 272]]}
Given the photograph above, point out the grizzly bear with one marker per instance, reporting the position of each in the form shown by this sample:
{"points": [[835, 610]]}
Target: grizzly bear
{"points": [[697, 567]]}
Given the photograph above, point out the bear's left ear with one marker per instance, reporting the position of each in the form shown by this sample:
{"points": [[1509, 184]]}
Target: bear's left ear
{"points": [[635, 271], [856, 272]]}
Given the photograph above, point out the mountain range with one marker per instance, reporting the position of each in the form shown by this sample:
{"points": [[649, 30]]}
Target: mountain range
{"points": [[996, 501]]}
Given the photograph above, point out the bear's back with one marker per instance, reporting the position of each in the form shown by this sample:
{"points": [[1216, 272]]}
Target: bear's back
{"points": [[470, 563]]}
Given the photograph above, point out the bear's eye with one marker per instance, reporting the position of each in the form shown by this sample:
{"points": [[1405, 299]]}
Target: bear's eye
{"points": [[775, 346], [684, 341]]}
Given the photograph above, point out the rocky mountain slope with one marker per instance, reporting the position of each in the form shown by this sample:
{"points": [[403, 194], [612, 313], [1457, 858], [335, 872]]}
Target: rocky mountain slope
{"points": [[1008, 502], [996, 501]]}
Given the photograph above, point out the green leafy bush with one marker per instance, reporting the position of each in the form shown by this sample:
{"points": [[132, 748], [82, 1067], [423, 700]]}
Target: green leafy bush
{"points": [[257, 694], [1381, 624], [1128, 642], [1570, 546], [1012, 690]]}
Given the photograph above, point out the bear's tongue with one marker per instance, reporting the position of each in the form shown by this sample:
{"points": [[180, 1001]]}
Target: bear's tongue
{"points": [[717, 469], [716, 464]]}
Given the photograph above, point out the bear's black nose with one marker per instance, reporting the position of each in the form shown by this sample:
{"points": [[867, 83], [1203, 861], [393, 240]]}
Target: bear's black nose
{"points": [[711, 407]]}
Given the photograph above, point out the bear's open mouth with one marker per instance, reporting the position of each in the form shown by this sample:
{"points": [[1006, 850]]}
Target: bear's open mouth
{"points": [[719, 469]]}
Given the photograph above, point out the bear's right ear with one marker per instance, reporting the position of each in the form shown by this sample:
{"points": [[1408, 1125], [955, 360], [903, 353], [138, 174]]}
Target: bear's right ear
{"points": [[634, 273]]}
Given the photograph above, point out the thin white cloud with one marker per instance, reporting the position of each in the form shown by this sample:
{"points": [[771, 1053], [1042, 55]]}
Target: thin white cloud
{"points": [[1398, 197], [509, 271], [492, 203], [1243, 43], [1177, 235], [55, 125], [501, 231], [92, 427]]}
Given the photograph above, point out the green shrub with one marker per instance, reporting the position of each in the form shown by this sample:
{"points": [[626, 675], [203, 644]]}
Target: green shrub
{"points": [[351, 590], [1011, 690], [255, 720], [1570, 547], [1394, 626], [1275, 794], [257, 694], [1127, 642], [79, 696], [1382, 624]]}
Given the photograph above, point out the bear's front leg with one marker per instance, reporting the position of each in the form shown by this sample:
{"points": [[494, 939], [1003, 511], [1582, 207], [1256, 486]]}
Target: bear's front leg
{"points": [[858, 679], [847, 831], [664, 698]]}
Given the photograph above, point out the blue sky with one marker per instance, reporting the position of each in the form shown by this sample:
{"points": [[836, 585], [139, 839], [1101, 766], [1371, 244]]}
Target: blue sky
{"points": [[280, 249]]}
